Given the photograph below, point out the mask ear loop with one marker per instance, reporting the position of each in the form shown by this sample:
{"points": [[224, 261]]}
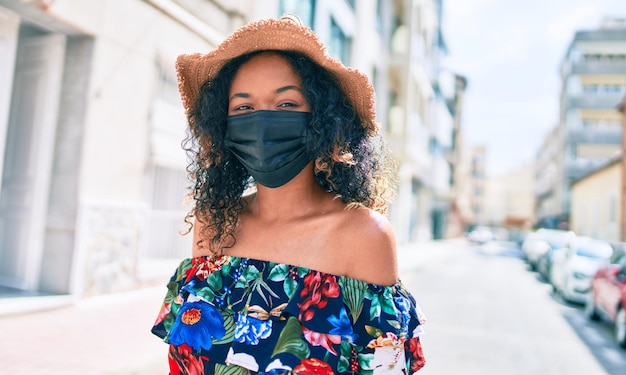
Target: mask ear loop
{"points": [[293, 18]]}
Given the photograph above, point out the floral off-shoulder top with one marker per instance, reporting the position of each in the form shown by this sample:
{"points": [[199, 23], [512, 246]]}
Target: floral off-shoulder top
{"points": [[231, 315]]}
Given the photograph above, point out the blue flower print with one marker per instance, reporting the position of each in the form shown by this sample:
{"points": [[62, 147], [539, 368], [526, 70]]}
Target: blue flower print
{"points": [[196, 323], [404, 307], [251, 330], [342, 325]]}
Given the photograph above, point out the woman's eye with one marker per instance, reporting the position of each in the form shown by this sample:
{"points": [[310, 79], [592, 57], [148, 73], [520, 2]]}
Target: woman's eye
{"points": [[286, 105], [244, 107]]}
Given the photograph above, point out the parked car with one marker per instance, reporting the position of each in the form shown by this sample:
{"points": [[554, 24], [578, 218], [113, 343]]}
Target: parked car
{"points": [[607, 297], [573, 268], [480, 235], [539, 242], [544, 263]]}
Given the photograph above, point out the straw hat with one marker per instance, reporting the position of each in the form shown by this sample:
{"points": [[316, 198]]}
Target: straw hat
{"points": [[286, 33]]}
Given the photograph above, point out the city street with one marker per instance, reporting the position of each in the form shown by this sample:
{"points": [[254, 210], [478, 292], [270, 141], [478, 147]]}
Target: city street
{"points": [[487, 314]]}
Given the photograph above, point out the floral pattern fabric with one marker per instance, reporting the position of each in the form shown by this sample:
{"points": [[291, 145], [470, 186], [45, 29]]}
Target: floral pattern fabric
{"points": [[231, 315]]}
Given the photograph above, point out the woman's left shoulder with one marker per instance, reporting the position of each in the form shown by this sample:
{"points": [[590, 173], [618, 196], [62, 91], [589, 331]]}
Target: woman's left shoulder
{"points": [[371, 246]]}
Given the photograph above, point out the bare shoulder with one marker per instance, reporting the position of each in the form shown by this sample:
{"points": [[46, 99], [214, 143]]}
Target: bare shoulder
{"points": [[371, 246]]}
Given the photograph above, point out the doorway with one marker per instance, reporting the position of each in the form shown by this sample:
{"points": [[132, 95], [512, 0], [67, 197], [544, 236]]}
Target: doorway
{"points": [[28, 154]]}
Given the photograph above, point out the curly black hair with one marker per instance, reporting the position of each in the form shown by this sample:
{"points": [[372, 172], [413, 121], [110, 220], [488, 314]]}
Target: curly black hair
{"points": [[350, 160]]}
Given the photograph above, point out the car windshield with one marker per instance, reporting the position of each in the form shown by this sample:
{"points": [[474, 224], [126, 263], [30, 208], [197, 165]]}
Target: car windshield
{"points": [[555, 238], [595, 251], [557, 244]]}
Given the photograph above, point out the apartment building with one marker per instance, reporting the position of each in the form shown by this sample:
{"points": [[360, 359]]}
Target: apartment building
{"points": [[508, 199], [420, 122], [593, 80], [596, 202]]}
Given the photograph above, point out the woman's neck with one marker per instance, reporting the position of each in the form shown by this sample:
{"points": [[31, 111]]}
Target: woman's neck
{"points": [[299, 198]]}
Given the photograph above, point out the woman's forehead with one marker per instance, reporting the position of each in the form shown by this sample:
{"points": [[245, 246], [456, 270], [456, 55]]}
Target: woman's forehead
{"points": [[267, 70]]}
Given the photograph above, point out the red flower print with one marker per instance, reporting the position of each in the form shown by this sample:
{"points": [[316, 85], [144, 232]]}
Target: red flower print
{"points": [[183, 362], [313, 366], [321, 339], [318, 288], [414, 348], [165, 310], [202, 267]]}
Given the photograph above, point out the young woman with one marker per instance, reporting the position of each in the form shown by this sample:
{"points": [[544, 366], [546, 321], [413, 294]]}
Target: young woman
{"points": [[298, 274]]}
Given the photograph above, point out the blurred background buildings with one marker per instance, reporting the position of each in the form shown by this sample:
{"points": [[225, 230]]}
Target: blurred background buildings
{"points": [[92, 175]]}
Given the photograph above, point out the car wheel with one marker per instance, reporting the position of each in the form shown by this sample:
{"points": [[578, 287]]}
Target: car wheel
{"points": [[620, 327], [590, 308]]}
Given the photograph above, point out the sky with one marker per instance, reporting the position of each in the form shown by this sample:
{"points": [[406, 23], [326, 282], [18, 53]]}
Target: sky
{"points": [[510, 53]]}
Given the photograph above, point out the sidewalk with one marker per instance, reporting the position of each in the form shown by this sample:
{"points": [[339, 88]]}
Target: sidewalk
{"points": [[415, 255], [110, 335]]}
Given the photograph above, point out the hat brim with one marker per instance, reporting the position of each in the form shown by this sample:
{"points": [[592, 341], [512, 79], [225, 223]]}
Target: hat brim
{"points": [[193, 70]]}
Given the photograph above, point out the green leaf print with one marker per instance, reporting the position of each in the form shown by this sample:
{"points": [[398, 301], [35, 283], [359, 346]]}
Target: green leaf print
{"points": [[171, 317], [279, 272], [353, 296], [206, 293], [380, 302], [172, 292], [290, 286], [221, 369], [226, 267], [343, 364], [375, 309], [365, 363], [181, 272], [229, 326], [373, 331], [344, 356], [259, 285], [394, 323], [251, 273], [386, 302], [214, 281], [291, 340]]}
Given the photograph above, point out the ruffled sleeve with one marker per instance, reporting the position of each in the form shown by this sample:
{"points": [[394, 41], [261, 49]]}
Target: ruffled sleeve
{"points": [[363, 326]]}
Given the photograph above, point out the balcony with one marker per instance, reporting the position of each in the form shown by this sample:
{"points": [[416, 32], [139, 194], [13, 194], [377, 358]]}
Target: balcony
{"points": [[610, 135], [598, 67], [596, 101], [577, 168]]}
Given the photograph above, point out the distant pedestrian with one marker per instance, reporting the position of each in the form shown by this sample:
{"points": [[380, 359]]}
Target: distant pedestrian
{"points": [[294, 266]]}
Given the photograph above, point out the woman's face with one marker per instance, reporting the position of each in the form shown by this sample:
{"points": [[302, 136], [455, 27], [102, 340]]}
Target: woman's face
{"points": [[266, 82]]}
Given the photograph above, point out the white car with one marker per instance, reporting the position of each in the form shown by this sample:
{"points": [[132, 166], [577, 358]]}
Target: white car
{"points": [[480, 235], [574, 266], [538, 243]]}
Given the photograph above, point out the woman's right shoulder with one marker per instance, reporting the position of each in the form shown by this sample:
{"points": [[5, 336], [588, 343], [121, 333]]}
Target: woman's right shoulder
{"points": [[202, 232], [199, 246]]}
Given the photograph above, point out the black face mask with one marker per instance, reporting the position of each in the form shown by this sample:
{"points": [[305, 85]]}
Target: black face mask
{"points": [[270, 144]]}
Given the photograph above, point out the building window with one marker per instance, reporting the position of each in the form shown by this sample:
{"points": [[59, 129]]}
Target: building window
{"points": [[166, 176], [612, 209], [379, 16], [167, 211], [339, 43]]}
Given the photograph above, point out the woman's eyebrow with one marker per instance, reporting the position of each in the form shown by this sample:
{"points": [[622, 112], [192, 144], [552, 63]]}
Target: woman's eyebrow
{"points": [[278, 91], [239, 95], [285, 88]]}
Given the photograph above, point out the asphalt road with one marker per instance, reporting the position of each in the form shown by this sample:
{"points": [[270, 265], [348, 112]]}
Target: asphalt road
{"points": [[489, 314]]}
